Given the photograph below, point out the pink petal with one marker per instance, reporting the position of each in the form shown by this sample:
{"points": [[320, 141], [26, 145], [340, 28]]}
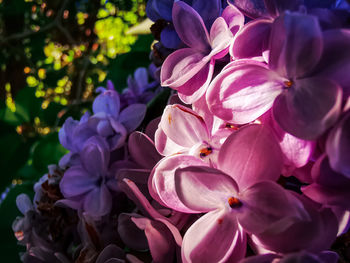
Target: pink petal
{"points": [[334, 64], [161, 182], [252, 39], [143, 150], [250, 155], [220, 36], [308, 109], [203, 188], [338, 147], [315, 234], [160, 240], [133, 192], [212, 238], [234, 18], [268, 207], [296, 44], [180, 66], [242, 93], [190, 27], [166, 146], [296, 152], [183, 126], [196, 87]]}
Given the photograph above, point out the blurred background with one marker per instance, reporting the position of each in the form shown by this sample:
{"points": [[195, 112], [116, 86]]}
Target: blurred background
{"points": [[53, 55]]}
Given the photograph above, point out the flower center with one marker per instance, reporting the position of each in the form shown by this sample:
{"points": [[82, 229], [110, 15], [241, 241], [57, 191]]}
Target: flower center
{"points": [[205, 151], [234, 202], [288, 83]]}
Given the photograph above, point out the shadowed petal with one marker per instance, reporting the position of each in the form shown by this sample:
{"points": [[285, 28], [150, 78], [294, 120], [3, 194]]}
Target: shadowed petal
{"points": [[190, 27], [268, 206], [252, 39], [338, 146], [95, 156], [98, 202], [308, 109], [160, 240], [296, 44], [77, 181], [132, 116], [143, 150], [250, 155], [334, 64], [209, 10]]}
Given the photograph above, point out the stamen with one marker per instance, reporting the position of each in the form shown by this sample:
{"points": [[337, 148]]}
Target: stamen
{"points": [[169, 119], [205, 152], [234, 202], [288, 83], [231, 126]]}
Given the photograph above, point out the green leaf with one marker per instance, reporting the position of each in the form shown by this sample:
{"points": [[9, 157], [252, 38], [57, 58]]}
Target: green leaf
{"points": [[28, 105], [47, 151], [14, 152]]}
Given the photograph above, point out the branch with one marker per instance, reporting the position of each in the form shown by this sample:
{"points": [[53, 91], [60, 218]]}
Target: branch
{"points": [[57, 22]]}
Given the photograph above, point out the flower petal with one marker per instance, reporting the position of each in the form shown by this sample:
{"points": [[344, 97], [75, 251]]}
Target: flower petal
{"points": [[203, 188], [180, 66], [338, 146], [252, 39], [132, 116], [266, 205], [143, 150], [76, 181], [334, 64], [161, 182], [234, 18], [250, 155], [296, 44], [243, 92], [107, 102], [95, 156], [208, 10], [165, 145], [98, 202], [308, 109], [183, 126], [212, 238], [190, 27]]}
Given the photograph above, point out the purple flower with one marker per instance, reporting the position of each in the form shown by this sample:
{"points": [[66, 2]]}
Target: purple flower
{"points": [[302, 104], [302, 256], [89, 186], [139, 90], [189, 70]]}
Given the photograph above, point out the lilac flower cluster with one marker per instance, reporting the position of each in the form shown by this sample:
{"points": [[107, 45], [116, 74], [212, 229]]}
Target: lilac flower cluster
{"points": [[249, 162]]}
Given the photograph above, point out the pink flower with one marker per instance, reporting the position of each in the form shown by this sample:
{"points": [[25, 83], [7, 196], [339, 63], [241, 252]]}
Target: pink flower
{"points": [[189, 70], [303, 105]]}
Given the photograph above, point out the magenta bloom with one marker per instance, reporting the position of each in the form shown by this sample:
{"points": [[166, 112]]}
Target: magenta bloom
{"points": [[303, 105], [189, 70], [183, 131]]}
